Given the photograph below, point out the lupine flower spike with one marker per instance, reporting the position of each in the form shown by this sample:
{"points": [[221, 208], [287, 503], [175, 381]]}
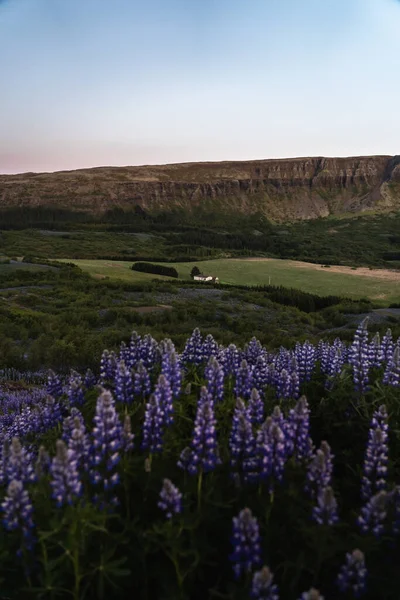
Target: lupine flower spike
{"points": [[170, 499], [262, 587], [353, 574]]}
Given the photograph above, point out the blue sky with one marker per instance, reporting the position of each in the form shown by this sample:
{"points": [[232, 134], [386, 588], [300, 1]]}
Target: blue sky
{"points": [[89, 82]]}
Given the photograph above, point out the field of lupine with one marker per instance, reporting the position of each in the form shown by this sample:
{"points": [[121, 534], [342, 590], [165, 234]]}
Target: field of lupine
{"points": [[217, 472]]}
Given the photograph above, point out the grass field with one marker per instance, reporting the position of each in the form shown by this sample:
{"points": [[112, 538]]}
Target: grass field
{"points": [[381, 286]]}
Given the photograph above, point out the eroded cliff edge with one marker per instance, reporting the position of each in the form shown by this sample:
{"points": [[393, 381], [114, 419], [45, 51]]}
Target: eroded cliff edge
{"points": [[282, 189]]}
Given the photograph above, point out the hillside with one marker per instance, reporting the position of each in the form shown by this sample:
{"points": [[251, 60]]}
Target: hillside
{"points": [[281, 189]]}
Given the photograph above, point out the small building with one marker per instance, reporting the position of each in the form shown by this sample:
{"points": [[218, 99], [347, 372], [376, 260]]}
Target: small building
{"points": [[206, 278]]}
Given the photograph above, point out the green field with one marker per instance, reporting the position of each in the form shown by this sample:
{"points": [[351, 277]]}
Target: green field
{"points": [[313, 279]]}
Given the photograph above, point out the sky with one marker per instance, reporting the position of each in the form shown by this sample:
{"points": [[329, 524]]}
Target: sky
{"points": [[126, 82]]}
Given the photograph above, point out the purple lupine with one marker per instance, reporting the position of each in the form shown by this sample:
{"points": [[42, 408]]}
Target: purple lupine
{"points": [[319, 473], [68, 423], [242, 445], [171, 368], [262, 586], [376, 455], [244, 381], [255, 408], [284, 385], [334, 367], [306, 358], [298, 439], [353, 574], [214, 375], [42, 464], [153, 427], [325, 511], [19, 465], [387, 346], [193, 351], [210, 347], [123, 383], [359, 358], [395, 505], [108, 363], [374, 513], [375, 354], [231, 360], [90, 379], [142, 385], [54, 386], [252, 351], [75, 393], [246, 543], [204, 454], [170, 499], [65, 480], [392, 371], [133, 350], [271, 452], [261, 374], [17, 512], [107, 441], [148, 351], [79, 443], [163, 395], [312, 594], [124, 353]]}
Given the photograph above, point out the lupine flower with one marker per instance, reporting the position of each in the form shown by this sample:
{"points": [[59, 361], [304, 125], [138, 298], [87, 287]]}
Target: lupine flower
{"points": [[374, 513], [214, 375], [142, 384], [19, 465], [242, 444], [376, 456], [306, 358], [244, 381], [312, 594], [319, 472], [107, 440], [353, 574], [395, 505], [252, 351], [123, 383], [127, 435], [163, 395], [387, 346], [42, 462], [90, 379], [193, 351], [262, 587], [17, 512], [261, 374], [133, 349], [230, 360], [204, 447], [255, 408], [210, 347], [298, 440], [271, 452], [147, 351], [246, 543], [359, 358], [171, 368], [79, 443], [54, 387], [75, 391], [392, 371], [153, 426], [64, 475], [375, 354], [108, 363], [170, 499], [284, 385], [325, 512]]}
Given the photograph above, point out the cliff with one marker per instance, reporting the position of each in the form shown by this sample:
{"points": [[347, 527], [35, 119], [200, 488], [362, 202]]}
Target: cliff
{"points": [[282, 189]]}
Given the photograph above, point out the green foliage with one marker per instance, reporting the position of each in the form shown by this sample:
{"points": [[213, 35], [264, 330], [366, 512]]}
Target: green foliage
{"points": [[145, 267]]}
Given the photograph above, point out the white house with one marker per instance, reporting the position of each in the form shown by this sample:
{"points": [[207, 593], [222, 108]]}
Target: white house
{"points": [[206, 278]]}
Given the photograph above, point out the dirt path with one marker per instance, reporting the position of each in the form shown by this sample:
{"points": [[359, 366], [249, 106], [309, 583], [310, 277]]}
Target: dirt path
{"points": [[384, 274]]}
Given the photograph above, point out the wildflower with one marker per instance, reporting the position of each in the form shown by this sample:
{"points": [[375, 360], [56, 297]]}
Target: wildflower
{"points": [[54, 387], [127, 435], [359, 358], [262, 587], [17, 512], [392, 371], [20, 463], [204, 455], [255, 408], [230, 359], [325, 512], [142, 384], [319, 472], [163, 395], [374, 513], [299, 442], [90, 379], [123, 383], [271, 450], [312, 594], [170, 499], [193, 351], [171, 368], [242, 444], [244, 381], [246, 543], [261, 374], [42, 463], [65, 478], [214, 375], [376, 456], [107, 440], [353, 574], [153, 426], [79, 443]]}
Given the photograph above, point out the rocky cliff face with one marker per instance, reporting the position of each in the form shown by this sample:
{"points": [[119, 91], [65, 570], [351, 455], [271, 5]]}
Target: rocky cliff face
{"points": [[299, 188]]}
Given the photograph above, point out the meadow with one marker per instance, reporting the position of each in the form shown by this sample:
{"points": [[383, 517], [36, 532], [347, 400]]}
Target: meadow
{"points": [[381, 286]]}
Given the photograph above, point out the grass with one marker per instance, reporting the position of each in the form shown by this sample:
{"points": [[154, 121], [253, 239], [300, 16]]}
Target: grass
{"points": [[287, 273]]}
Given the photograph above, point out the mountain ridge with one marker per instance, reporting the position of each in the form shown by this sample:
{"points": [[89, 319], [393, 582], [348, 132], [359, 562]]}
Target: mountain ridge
{"points": [[281, 189]]}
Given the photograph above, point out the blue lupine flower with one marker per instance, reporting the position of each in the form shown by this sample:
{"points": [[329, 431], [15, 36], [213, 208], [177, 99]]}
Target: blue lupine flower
{"points": [[79, 443], [210, 347], [123, 384], [153, 427], [214, 375], [54, 387], [242, 445], [298, 438], [170, 499], [90, 379], [75, 393], [17, 512], [375, 354], [359, 357], [107, 441], [64, 475], [108, 364], [246, 543], [19, 465], [255, 408], [133, 350], [244, 381], [171, 368], [193, 351], [392, 371], [147, 350], [127, 435], [230, 360], [262, 587], [163, 395], [271, 452], [374, 513], [68, 423], [320, 469], [325, 512], [353, 574], [387, 346], [261, 376], [376, 456], [306, 357], [252, 351], [142, 385], [42, 464], [312, 594], [204, 455]]}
